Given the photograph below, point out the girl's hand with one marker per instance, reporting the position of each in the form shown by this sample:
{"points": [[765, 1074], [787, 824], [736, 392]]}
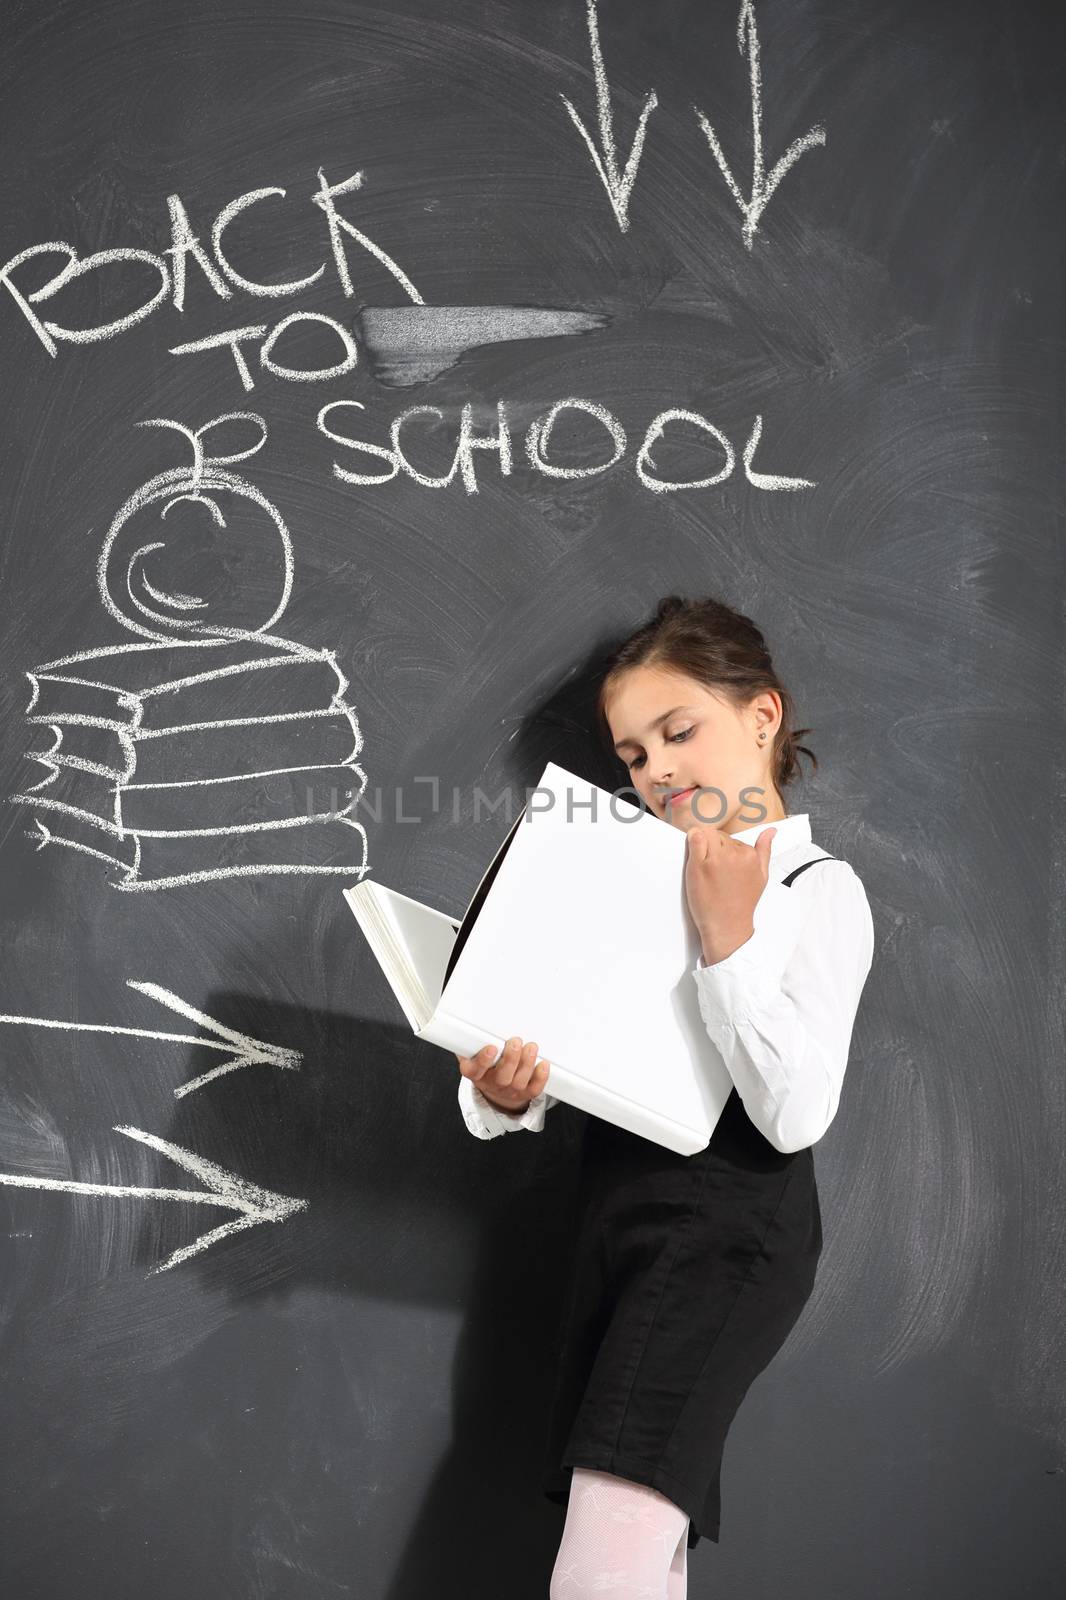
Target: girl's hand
{"points": [[724, 880], [516, 1079]]}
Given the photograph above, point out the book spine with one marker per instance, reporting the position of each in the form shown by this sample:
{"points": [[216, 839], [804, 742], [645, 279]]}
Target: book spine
{"points": [[452, 1033], [625, 1113]]}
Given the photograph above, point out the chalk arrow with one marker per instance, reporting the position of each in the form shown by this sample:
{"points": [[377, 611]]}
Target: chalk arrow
{"points": [[243, 1050], [762, 184], [618, 184], [253, 1204]]}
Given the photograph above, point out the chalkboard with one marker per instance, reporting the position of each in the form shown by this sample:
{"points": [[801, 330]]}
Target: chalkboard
{"points": [[369, 371]]}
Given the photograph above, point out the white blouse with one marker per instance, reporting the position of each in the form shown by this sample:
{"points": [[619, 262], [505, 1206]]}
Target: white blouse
{"points": [[780, 1009]]}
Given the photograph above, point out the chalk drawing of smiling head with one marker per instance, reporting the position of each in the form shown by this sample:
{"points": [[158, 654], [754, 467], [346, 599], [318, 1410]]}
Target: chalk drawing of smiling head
{"points": [[198, 516]]}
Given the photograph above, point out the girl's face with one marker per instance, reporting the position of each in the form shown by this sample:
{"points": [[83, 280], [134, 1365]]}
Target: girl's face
{"points": [[673, 734]]}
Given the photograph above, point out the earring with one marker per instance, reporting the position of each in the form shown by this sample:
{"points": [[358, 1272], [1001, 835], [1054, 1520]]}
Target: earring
{"points": [[762, 736]]}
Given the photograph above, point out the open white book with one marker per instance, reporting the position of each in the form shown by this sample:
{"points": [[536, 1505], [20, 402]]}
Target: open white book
{"points": [[578, 936]]}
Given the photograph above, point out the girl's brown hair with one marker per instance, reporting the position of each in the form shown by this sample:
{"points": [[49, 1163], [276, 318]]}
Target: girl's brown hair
{"points": [[721, 649]]}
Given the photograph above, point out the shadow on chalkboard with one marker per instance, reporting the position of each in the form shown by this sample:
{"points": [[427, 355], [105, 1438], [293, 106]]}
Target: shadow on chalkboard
{"points": [[560, 728], [404, 1205], [563, 729]]}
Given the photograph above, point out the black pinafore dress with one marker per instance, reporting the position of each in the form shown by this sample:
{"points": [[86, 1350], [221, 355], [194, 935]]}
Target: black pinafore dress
{"points": [[689, 1273]]}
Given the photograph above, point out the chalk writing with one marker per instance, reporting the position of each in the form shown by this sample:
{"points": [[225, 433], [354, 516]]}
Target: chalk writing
{"points": [[183, 244], [395, 457]]}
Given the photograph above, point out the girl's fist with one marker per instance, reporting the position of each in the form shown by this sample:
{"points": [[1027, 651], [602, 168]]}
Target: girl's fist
{"points": [[724, 881], [510, 1082]]}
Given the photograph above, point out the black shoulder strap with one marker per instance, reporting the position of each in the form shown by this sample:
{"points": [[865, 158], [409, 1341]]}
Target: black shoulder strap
{"points": [[813, 862]]}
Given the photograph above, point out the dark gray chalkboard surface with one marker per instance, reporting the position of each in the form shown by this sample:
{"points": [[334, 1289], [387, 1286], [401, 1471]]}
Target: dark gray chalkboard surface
{"points": [[368, 370]]}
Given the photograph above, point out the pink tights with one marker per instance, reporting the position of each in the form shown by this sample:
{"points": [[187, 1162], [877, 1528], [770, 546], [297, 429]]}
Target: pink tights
{"points": [[621, 1539]]}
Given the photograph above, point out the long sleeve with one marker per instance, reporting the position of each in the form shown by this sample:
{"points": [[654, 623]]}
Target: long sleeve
{"points": [[485, 1122], [782, 1007]]}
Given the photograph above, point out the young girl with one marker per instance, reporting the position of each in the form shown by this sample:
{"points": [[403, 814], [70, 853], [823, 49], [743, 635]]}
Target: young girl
{"points": [[690, 1271]]}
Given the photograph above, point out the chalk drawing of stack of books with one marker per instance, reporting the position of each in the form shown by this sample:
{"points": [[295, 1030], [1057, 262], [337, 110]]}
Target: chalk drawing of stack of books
{"points": [[210, 747]]}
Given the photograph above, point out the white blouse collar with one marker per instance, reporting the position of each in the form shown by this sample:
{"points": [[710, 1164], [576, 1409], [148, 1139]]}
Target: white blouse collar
{"points": [[791, 831]]}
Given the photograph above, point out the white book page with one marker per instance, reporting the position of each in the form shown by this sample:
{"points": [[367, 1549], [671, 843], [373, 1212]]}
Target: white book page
{"points": [[415, 941], [585, 945]]}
